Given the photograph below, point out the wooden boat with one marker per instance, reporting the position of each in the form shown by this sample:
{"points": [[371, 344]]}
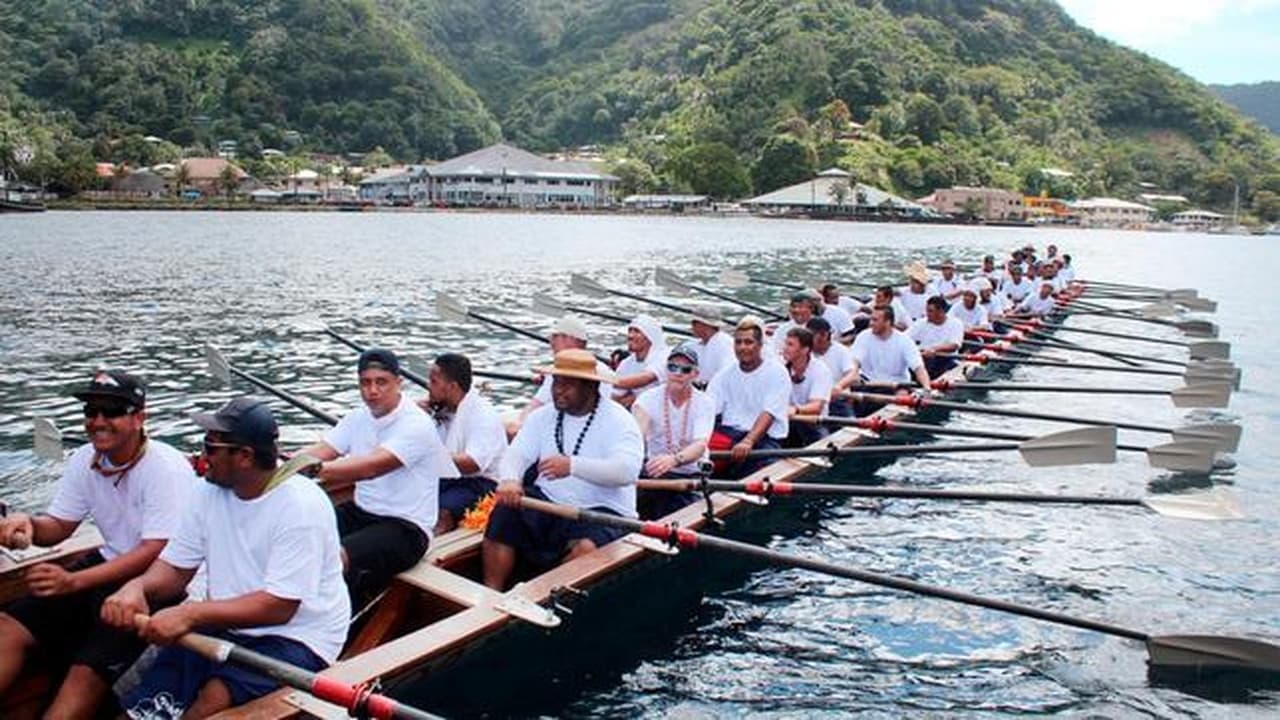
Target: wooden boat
{"points": [[438, 611]]}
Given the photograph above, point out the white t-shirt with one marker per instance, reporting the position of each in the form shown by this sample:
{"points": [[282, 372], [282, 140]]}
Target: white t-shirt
{"points": [[1036, 305], [411, 491], [778, 340], [946, 287], [901, 315], [603, 472], [740, 397], [1067, 273], [816, 385], [839, 319], [927, 335], [849, 305], [655, 362], [284, 543], [890, 359], [693, 421], [971, 319], [994, 306], [915, 302], [838, 359], [146, 504], [1016, 292], [475, 430], [543, 395], [715, 355]]}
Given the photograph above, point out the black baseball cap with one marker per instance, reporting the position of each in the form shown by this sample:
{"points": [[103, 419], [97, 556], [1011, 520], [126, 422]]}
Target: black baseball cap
{"points": [[378, 359], [685, 350], [242, 420], [115, 385]]}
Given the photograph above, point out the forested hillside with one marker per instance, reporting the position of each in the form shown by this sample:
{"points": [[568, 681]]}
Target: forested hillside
{"points": [[721, 96], [1260, 101]]}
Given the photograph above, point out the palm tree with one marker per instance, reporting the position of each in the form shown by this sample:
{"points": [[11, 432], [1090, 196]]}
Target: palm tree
{"points": [[181, 178], [228, 179]]}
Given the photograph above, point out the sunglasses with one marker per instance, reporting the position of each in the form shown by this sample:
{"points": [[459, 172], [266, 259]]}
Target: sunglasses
{"points": [[92, 411], [680, 368], [211, 447]]}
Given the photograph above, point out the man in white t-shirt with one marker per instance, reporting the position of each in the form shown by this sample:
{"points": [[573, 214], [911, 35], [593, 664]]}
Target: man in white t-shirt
{"points": [[390, 450], [811, 385], [884, 355], [583, 451], [568, 333], [1016, 288], [715, 347], [134, 489], [268, 541], [676, 420], [970, 314], [1038, 305], [988, 270], [886, 296], [831, 295], [839, 361], [751, 397], [1067, 272], [937, 334], [804, 306], [949, 285], [992, 302], [917, 292], [472, 433], [645, 363]]}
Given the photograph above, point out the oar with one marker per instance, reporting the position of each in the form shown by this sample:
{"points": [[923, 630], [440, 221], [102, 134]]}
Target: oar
{"points": [[584, 285], [1191, 376], [1163, 292], [449, 308], [47, 441], [1192, 328], [358, 701], [1191, 456], [1204, 652], [544, 304], [1060, 344], [1204, 395], [417, 378], [1069, 447], [223, 370], [675, 284], [1215, 505], [1215, 349], [736, 279], [1222, 436]]}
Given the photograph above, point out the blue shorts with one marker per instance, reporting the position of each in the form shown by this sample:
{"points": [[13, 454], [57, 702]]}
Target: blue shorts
{"points": [[457, 495], [543, 539], [173, 682]]}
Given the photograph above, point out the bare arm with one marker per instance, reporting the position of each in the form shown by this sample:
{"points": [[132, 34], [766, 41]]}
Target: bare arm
{"points": [[20, 529], [466, 464], [921, 376], [120, 568], [348, 470], [321, 451]]}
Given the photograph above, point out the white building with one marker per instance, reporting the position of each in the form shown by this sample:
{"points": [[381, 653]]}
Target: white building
{"points": [[505, 176], [1198, 220], [403, 185], [1112, 212], [666, 202], [831, 191]]}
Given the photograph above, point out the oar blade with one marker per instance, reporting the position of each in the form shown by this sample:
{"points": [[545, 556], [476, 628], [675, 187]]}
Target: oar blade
{"points": [[1202, 654], [1202, 395], [1216, 505], [219, 368], [1197, 328], [670, 282], [1198, 304], [1080, 446], [1212, 374], [584, 285], [46, 441], [734, 279], [1224, 436], [1158, 310], [1187, 456], [1182, 294], [308, 322], [450, 309], [1210, 350], [544, 304]]}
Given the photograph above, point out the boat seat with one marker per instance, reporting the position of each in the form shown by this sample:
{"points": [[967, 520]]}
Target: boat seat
{"points": [[468, 593]]}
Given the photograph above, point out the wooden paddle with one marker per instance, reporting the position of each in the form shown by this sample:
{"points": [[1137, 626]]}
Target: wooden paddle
{"points": [[1198, 350], [1069, 447], [1215, 505], [222, 371], [544, 304], [1202, 653], [452, 310], [1191, 376]]}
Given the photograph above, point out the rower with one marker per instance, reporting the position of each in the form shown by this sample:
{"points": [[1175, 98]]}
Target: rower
{"points": [[917, 292], [645, 363], [676, 421], [1038, 305], [831, 295], [1049, 274], [268, 541], [751, 398], [1016, 288], [993, 303], [840, 320], [1067, 271], [715, 347], [971, 314], [134, 489], [948, 286], [390, 450], [583, 451], [472, 433], [804, 307], [1051, 253], [885, 297], [839, 360], [988, 269], [937, 333], [567, 333], [885, 355], [811, 385]]}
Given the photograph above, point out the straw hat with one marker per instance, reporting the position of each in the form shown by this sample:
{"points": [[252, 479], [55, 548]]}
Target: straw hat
{"points": [[576, 363], [708, 315], [916, 271]]}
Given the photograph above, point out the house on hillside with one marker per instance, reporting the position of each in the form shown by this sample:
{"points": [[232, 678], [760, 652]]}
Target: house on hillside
{"points": [[205, 174], [1198, 220], [1112, 212], [833, 192], [502, 175], [994, 204]]}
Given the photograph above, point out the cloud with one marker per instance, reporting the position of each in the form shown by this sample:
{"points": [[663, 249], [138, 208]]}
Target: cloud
{"points": [[1151, 24]]}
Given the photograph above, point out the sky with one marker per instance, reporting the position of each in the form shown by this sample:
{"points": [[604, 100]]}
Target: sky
{"points": [[1213, 41]]}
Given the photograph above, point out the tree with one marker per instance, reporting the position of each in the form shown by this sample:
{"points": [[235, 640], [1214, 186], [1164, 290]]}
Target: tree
{"points": [[839, 193], [181, 178], [784, 160], [377, 158], [924, 118], [972, 208], [634, 176], [711, 169], [228, 180], [1266, 205]]}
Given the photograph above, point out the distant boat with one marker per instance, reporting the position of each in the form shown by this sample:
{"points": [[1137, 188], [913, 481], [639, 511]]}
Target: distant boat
{"points": [[19, 198]]}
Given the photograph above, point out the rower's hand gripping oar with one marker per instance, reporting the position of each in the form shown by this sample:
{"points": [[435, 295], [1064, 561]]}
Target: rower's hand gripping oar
{"points": [[1168, 652], [1068, 447], [358, 701], [1218, 504]]}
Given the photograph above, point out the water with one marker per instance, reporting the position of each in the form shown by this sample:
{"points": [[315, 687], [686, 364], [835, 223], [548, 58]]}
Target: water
{"points": [[146, 290]]}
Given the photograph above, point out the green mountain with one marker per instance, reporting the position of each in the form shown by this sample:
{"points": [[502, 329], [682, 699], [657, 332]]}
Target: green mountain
{"points": [[720, 96], [1260, 101]]}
